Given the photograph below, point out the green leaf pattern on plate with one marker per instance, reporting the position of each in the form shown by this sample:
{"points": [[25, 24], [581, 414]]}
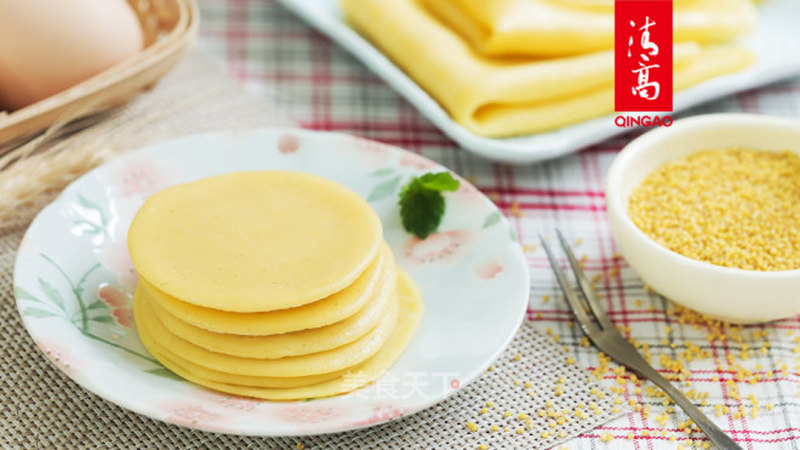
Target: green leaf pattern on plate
{"points": [[51, 294], [384, 189], [383, 172], [51, 303], [36, 312], [492, 219], [164, 373]]}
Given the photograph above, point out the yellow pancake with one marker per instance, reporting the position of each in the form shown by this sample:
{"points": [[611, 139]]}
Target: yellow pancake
{"points": [[279, 345], [254, 241], [504, 97], [295, 366], [377, 281], [551, 28], [245, 380], [408, 320], [222, 377]]}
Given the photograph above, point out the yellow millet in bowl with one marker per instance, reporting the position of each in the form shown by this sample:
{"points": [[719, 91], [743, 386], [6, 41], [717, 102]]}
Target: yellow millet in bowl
{"points": [[734, 208]]}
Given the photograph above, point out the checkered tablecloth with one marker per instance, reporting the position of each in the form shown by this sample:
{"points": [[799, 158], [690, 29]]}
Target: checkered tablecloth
{"points": [[324, 88]]}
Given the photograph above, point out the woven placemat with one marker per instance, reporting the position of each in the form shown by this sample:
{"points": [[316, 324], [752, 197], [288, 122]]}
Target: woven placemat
{"points": [[41, 408]]}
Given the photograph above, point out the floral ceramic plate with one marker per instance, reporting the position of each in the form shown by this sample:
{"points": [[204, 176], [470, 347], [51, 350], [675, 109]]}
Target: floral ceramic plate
{"points": [[74, 279]]}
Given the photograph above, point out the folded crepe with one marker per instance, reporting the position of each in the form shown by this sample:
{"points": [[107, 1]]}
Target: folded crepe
{"points": [[568, 27], [502, 97]]}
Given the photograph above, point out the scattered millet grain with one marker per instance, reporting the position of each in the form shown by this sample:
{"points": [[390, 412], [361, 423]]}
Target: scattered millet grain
{"points": [[734, 208]]}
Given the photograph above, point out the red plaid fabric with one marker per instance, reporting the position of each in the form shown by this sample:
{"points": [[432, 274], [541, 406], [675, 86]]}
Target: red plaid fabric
{"points": [[324, 88]]}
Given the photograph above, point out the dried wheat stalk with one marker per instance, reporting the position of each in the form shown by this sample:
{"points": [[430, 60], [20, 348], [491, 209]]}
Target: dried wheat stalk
{"points": [[45, 164], [49, 162], [195, 97]]}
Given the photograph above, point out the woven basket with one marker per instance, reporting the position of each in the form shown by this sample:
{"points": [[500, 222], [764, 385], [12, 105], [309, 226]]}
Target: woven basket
{"points": [[168, 26]]}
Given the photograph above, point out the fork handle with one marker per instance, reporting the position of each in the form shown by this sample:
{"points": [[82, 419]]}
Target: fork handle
{"points": [[717, 436]]}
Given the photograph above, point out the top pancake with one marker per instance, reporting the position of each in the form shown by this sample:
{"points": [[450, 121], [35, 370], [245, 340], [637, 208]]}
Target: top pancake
{"points": [[254, 241], [377, 281]]}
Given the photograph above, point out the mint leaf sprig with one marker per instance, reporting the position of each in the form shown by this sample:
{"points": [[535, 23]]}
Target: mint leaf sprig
{"points": [[422, 204]]}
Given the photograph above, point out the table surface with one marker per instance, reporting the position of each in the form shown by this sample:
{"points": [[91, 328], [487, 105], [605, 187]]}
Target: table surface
{"points": [[753, 368]]}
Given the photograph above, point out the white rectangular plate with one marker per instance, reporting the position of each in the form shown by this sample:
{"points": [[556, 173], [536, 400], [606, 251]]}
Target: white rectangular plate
{"points": [[775, 45]]}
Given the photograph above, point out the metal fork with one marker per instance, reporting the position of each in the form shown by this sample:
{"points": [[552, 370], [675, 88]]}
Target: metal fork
{"points": [[606, 337]]}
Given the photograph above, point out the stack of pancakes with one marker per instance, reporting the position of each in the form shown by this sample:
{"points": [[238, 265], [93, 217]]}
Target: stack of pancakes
{"points": [[269, 284]]}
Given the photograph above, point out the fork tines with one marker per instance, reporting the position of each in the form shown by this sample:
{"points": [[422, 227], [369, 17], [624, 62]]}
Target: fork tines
{"points": [[587, 298]]}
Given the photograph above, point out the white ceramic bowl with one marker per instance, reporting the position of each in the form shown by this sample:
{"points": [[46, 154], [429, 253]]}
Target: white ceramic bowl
{"points": [[736, 295]]}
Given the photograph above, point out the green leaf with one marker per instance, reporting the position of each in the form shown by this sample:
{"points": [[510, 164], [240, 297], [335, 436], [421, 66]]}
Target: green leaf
{"points": [[383, 172], [51, 293], [492, 219], [384, 189], [164, 373], [97, 304], [22, 294], [422, 204], [36, 312], [421, 209], [440, 182], [103, 319]]}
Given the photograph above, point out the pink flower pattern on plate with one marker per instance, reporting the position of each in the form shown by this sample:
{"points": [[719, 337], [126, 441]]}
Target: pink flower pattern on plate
{"points": [[488, 270], [141, 177], [444, 246], [381, 414], [416, 161], [288, 143], [119, 303], [308, 414], [373, 154], [237, 402], [193, 416]]}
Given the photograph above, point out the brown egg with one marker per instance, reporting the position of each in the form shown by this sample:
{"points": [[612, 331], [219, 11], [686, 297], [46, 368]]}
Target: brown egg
{"points": [[47, 46]]}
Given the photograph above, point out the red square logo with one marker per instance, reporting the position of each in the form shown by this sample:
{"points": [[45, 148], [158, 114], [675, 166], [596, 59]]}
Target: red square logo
{"points": [[643, 55]]}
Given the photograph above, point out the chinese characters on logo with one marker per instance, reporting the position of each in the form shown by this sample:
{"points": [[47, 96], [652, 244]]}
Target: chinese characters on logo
{"points": [[645, 88]]}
